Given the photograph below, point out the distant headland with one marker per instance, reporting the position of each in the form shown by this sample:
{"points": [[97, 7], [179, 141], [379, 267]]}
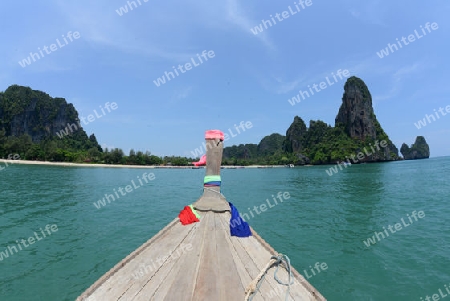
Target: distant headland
{"points": [[356, 131]]}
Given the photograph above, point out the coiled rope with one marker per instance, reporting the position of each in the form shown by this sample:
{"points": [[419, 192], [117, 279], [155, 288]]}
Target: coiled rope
{"points": [[278, 260]]}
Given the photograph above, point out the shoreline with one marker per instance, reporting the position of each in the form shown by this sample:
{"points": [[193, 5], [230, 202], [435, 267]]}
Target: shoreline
{"points": [[69, 164], [10, 162]]}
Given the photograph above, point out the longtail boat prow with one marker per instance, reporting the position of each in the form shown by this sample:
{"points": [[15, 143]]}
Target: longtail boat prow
{"points": [[208, 253]]}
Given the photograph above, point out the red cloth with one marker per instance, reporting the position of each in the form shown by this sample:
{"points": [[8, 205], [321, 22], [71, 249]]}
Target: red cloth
{"points": [[201, 162], [214, 134], [187, 217]]}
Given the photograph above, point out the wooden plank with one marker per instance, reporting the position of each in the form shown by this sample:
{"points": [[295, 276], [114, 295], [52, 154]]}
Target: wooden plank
{"points": [[262, 257], [233, 287], [317, 296], [303, 284], [244, 277], [240, 266], [206, 284], [123, 279], [214, 150], [116, 281], [241, 246], [127, 259], [160, 258], [211, 198], [178, 283], [242, 272]]}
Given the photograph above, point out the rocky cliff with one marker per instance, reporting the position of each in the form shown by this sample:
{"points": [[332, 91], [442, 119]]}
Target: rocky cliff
{"points": [[30, 121], [357, 116], [356, 111], [419, 150], [295, 136], [270, 144], [24, 111]]}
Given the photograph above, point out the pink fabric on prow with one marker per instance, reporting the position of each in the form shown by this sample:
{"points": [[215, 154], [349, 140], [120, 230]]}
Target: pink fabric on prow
{"points": [[214, 134], [201, 162]]}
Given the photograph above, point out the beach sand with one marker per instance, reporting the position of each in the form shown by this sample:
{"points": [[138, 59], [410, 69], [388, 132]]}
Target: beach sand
{"points": [[67, 164]]}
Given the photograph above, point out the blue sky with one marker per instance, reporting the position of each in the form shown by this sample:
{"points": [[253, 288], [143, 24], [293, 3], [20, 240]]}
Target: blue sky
{"points": [[250, 78]]}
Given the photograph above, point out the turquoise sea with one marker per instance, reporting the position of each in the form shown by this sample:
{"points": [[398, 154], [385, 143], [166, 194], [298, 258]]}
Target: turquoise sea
{"points": [[326, 220]]}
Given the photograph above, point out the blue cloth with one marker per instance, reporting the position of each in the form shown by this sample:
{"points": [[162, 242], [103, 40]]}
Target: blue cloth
{"points": [[238, 227], [215, 183]]}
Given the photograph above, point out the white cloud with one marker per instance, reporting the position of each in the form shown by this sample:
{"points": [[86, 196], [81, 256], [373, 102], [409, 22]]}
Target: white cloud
{"points": [[110, 30], [236, 16], [371, 12], [397, 80], [166, 37]]}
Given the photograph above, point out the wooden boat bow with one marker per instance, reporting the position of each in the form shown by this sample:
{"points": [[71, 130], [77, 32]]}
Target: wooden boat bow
{"points": [[199, 261]]}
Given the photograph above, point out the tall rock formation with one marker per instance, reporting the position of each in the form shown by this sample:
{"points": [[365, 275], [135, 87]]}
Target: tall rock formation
{"points": [[419, 150], [356, 112], [357, 117], [295, 136]]}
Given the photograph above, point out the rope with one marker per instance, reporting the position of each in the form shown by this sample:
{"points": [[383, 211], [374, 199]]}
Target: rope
{"points": [[278, 260], [207, 188]]}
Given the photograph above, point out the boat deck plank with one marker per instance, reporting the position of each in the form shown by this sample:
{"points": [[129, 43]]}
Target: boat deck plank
{"points": [[123, 280], [251, 268], [217, 267], [179, 285], [227, 264], [156, 272], [207, 278]]}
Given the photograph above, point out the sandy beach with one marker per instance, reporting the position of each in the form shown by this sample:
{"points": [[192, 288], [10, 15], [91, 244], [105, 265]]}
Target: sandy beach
{"points": [[68, 164]]}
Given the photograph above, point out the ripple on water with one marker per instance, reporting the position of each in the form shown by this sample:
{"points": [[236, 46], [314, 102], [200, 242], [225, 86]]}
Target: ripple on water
{"points": [[325, 220]]}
